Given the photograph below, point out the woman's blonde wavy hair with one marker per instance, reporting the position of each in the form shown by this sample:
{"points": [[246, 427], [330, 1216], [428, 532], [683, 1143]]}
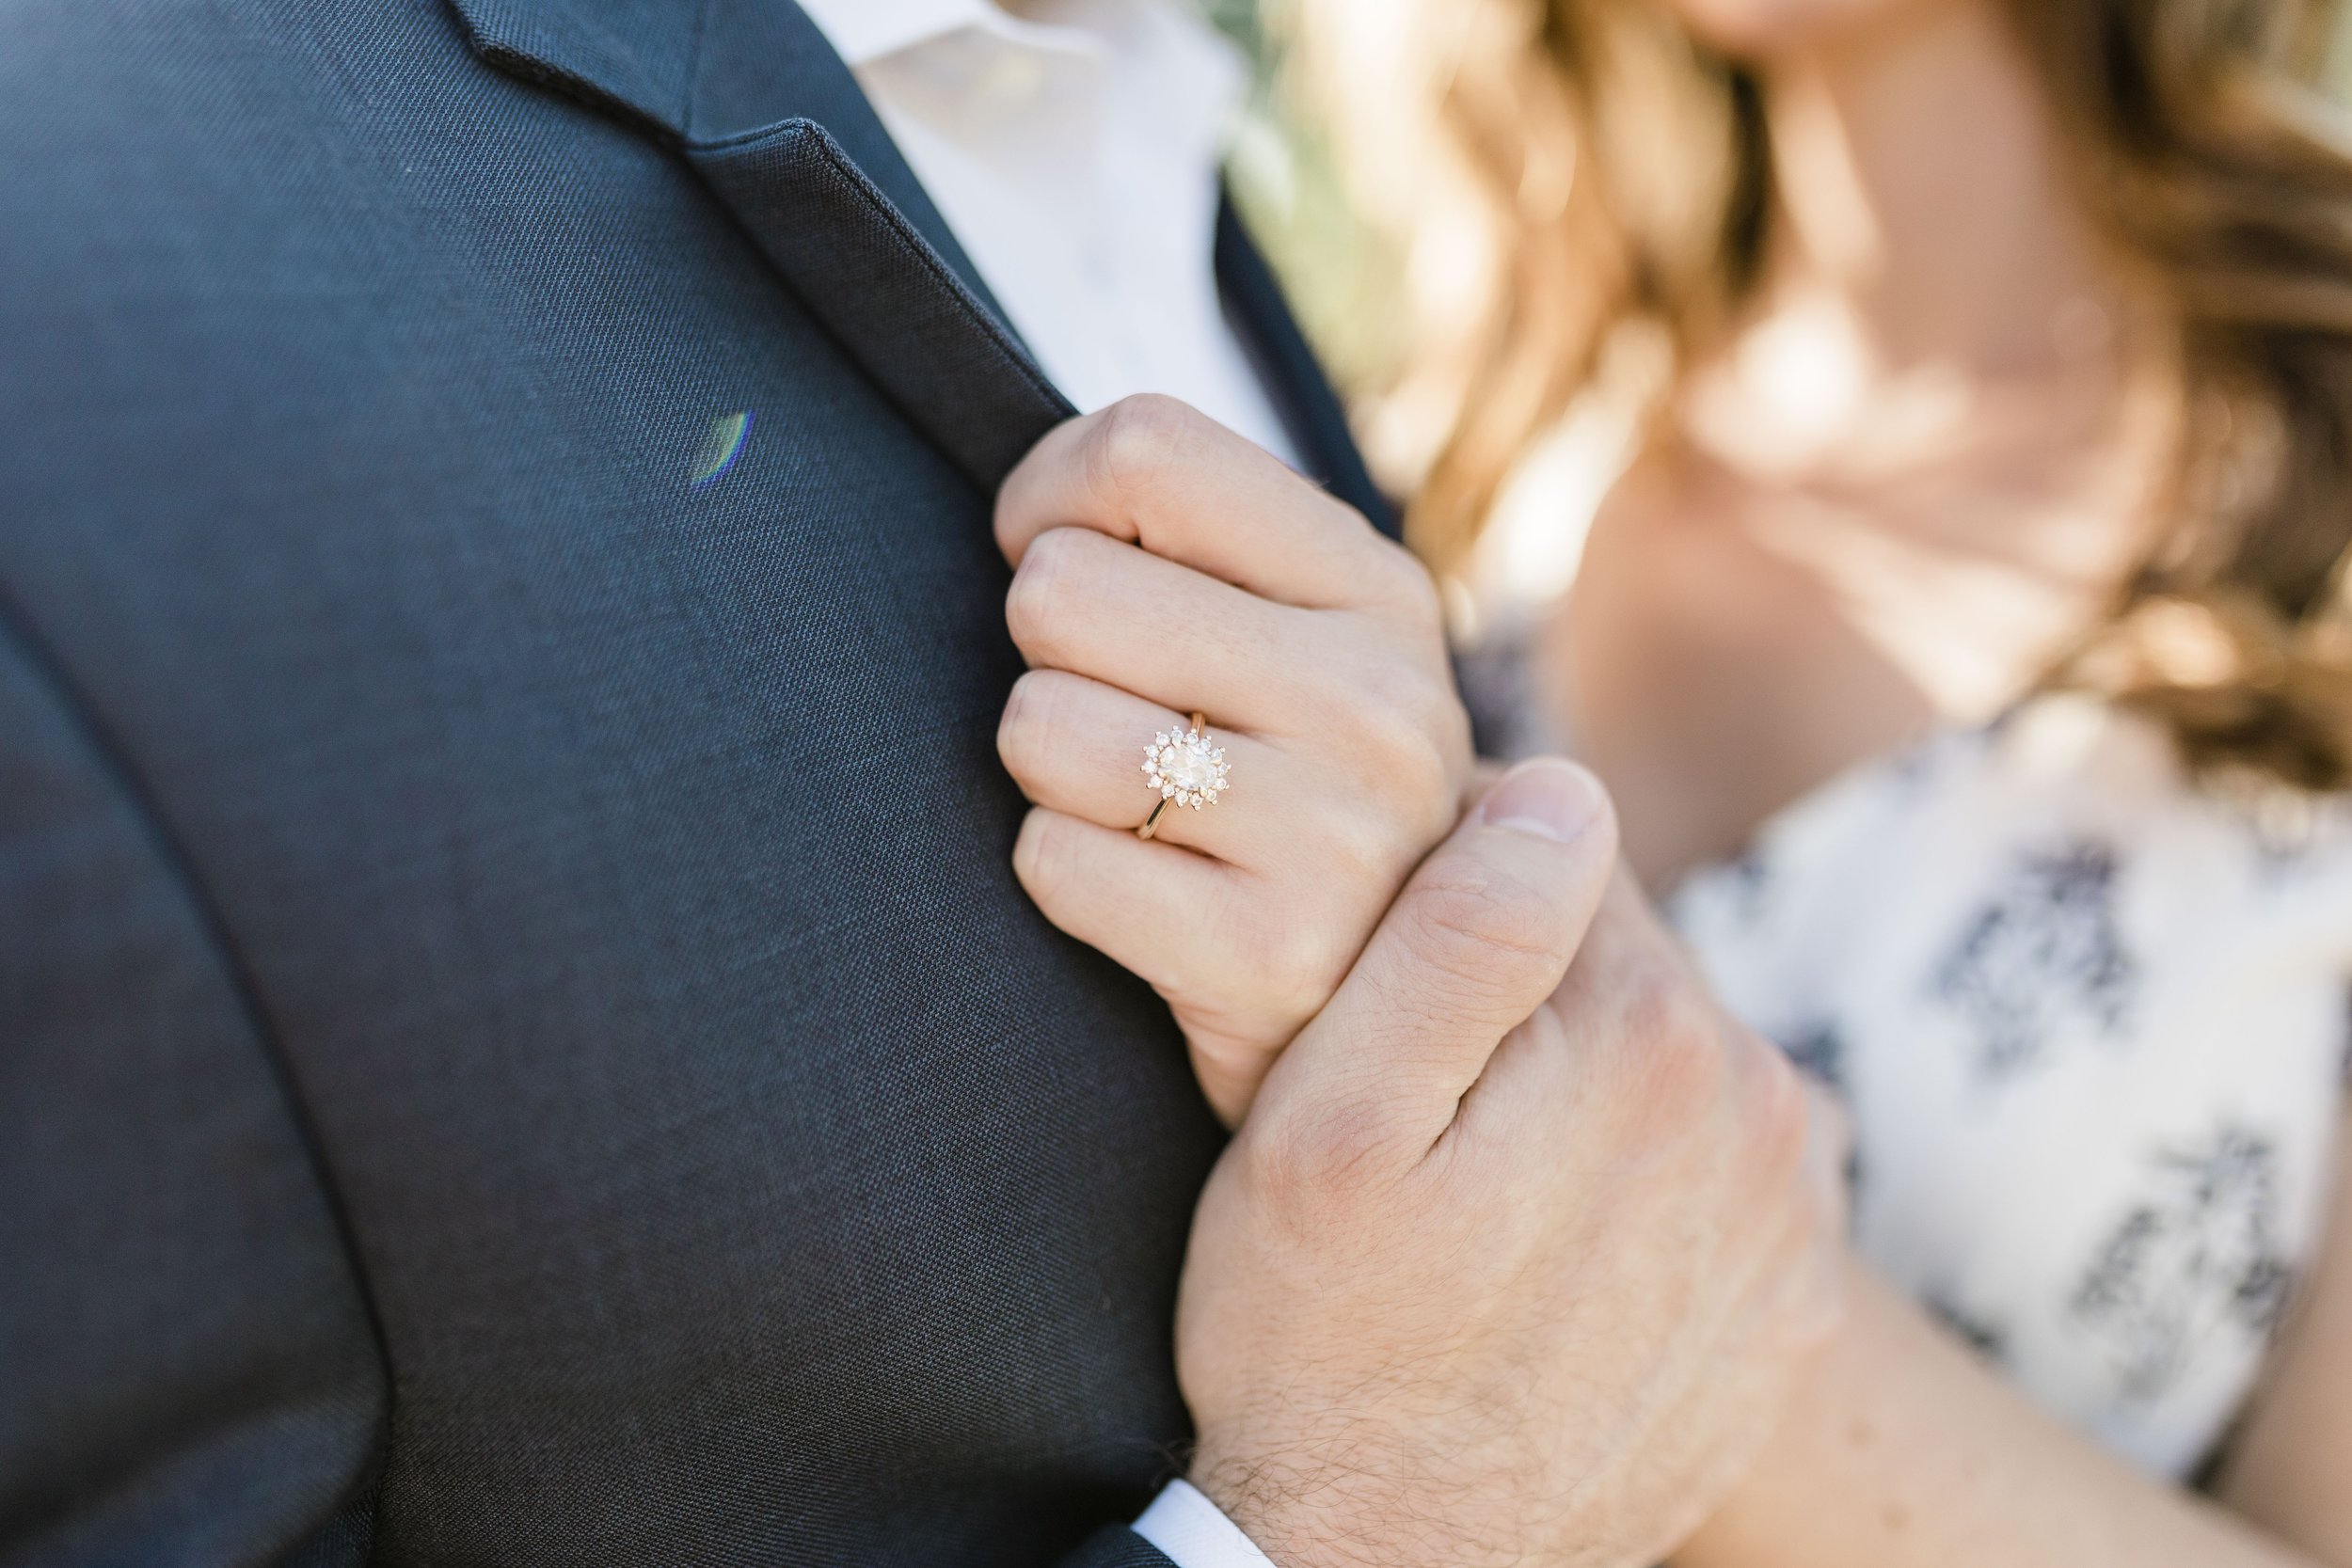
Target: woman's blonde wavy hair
{"points": [[1572, 167]]}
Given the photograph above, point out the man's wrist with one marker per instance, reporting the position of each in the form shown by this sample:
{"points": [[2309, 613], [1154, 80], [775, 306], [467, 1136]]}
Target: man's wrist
{"points": [[1320, 1512], [1271, 1505]]}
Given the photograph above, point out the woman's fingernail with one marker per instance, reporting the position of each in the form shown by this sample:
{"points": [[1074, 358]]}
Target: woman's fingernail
{"points": [[1548, 798]]}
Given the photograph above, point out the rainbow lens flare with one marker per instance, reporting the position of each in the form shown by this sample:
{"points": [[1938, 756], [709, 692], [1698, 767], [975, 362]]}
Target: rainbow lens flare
{"points": [[721, 447]]}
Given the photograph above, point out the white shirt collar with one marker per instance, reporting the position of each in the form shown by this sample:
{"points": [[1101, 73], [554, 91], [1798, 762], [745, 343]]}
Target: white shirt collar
{"points": [[862, 31]]}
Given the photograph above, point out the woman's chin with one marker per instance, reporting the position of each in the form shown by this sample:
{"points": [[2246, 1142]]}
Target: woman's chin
{"points": [[1762, 29]]}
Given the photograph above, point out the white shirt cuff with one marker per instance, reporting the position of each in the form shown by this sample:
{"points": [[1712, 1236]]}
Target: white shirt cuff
{"points": [[1193, 1532]]}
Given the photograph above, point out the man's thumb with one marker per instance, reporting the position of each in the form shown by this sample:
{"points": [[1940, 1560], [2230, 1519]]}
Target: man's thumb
{"points": [[1471, 947]]}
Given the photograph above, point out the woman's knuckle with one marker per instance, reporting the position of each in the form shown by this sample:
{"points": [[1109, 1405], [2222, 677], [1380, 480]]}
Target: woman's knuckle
{"points": [[1406, 587], [1023, 733], [1400, 739], [1305, 973], [1293, 961], [1402, 693], [1350, 846], [1030, 604], [1425, 785], [1138, 444], [1051, 579], [1393, 727], [1040, 857]]}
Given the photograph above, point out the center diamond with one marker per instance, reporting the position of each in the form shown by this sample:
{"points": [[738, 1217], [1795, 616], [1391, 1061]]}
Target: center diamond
{"points": [[1188, 766]]}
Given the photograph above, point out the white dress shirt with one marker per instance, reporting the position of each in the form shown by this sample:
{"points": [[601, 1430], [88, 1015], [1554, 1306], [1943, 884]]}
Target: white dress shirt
{"points": [[1074, 151]]}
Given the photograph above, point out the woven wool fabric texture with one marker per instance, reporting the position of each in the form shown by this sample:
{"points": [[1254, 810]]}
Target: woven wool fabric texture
{"points": [[518, 1041]]}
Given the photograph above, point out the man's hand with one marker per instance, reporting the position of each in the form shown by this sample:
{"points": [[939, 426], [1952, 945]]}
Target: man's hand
{"points": [[1514, 1259]]}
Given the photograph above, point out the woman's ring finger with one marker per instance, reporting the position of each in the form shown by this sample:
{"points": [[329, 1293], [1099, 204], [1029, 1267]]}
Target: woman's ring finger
{"points": [[1078, 745]]}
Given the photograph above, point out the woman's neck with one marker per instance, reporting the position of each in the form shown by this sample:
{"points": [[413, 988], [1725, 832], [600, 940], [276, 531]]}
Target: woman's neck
{"points": [[1932, 415], [1922, 197]]}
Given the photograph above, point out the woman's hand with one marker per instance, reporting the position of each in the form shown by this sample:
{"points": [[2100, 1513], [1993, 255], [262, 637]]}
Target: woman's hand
{"points": [[1164, 565]]}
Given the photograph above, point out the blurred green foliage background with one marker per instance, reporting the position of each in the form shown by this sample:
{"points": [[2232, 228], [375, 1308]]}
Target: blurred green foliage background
{"points": [[1342, 278]]}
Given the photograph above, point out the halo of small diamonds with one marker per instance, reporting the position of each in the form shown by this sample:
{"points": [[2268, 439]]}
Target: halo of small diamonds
{"points": [[1187, 769]]}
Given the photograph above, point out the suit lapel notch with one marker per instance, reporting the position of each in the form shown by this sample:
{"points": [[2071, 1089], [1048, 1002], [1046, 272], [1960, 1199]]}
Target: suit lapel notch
{"points": [[704, 72], [632, 58]]}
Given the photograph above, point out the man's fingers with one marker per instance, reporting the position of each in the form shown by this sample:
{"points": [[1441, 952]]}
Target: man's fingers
{"points": [[1471, 947], [1154, 472]]}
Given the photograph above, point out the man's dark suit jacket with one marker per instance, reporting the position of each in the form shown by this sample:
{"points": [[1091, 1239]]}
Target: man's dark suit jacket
{"points": [[518, 1041]]}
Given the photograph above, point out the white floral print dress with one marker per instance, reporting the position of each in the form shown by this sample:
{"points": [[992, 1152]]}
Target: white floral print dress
{"points": [[2089, 1021]]}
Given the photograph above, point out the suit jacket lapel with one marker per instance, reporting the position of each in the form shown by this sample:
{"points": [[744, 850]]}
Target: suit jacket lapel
{"points": [[754, 97], [755, 100], [892, 301]]}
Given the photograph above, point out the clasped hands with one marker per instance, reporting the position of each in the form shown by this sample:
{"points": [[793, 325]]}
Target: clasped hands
{"points": [[1521, 1242]]}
